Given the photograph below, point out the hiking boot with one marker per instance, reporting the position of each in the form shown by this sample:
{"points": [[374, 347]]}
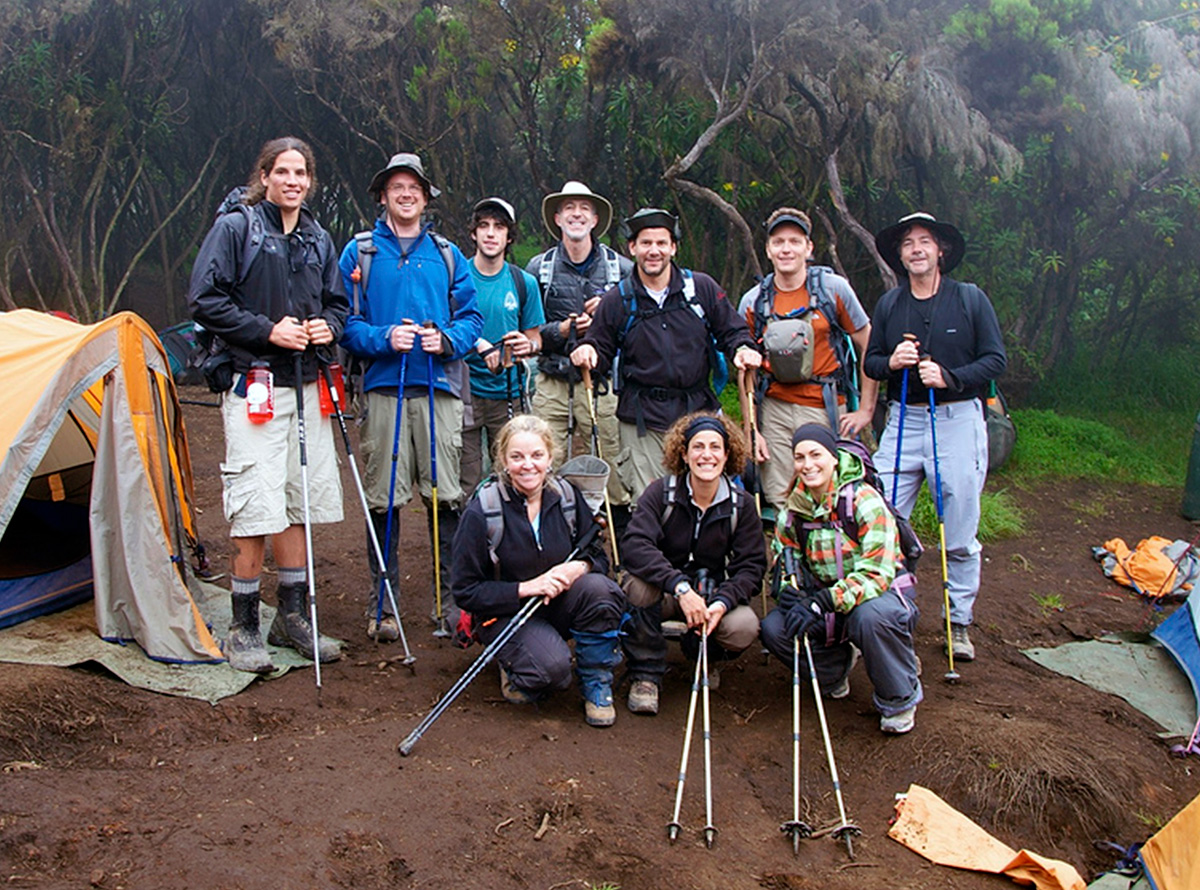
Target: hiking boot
{"points": [[841, 689], [244, 648], [964, 649], [899, 724], [291, 626], [674, 630], [387, 630], [511, 693], [643, 697], [599, 715]]}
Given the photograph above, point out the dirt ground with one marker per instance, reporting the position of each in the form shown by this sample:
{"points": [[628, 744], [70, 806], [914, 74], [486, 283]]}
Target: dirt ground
{"points": [[112, 787]]}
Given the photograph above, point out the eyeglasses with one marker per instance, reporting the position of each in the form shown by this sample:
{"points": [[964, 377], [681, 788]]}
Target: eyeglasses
{"points": [[401, 189]]}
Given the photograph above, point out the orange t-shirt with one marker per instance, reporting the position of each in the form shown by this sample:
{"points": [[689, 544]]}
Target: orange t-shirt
{"points": [[824, 361]]}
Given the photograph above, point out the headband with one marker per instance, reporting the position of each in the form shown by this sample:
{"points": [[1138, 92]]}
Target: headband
{"points": [[702, 423]]}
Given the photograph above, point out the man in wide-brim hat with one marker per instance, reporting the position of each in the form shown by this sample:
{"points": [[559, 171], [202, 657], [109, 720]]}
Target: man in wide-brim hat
{"points": [[572, 275], [948, 332]]}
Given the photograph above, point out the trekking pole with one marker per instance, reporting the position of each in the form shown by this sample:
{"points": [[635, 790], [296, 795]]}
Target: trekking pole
{"points": [[409, 658], [506, 359], [298, 370], [489, 652], [900, 429], [572, 339], [442, 629], [673, 827], [589, 394], [846, 830], [386, 566], [795, 828], [746, 392], [951, 675], [710, 830]]}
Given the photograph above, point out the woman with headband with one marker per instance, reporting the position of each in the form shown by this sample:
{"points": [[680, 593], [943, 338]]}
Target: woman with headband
{"points": [[690, 520], [844, 583]]}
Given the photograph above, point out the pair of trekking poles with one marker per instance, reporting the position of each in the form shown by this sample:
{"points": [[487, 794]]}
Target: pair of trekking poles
{"points": [[951, 675]]}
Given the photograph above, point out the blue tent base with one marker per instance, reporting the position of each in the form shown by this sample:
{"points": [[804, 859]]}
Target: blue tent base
{"points": [[1180, 635], [34, 595]]}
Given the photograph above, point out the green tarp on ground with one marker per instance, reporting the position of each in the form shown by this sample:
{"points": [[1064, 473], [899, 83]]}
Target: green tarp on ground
{"points": [[69, 638], [1142, 673]]}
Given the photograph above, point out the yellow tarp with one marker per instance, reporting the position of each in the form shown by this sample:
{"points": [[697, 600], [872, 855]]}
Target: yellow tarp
{"points": [[928, 825]]}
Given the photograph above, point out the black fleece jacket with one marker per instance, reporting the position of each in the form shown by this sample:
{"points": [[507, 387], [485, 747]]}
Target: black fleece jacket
{"points": [[963, 337], [663, 555], [473, 578], [294, 274]]}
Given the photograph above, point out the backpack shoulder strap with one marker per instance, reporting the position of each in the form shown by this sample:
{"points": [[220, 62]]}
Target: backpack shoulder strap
{"points": [[446, 249], [819, 297], [252, 239], [491, 498], [670, 483], [518, 278], [612, 266], [365, 250], [764, 303], [546, 269]]}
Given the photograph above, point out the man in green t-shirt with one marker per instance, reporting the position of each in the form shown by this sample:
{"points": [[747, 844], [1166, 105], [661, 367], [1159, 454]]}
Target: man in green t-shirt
{"points": [[512, 312]]}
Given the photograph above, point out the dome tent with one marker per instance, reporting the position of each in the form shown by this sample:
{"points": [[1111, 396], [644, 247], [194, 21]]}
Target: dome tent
{"points": [[95, 484]]}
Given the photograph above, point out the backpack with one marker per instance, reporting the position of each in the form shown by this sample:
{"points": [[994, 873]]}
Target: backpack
{"points": [[845, 378], [256, 234], [717, 362], [612, 267], [911, 547]]}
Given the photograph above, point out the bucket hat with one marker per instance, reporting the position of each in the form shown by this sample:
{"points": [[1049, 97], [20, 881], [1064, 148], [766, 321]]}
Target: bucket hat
{"points": [[402, 161], [887, 241], [576, 189]]}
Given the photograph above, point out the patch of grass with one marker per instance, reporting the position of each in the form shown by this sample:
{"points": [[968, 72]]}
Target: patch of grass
{"points": [[1049, 602], [1150, 820], [999, 517], [1058, 446]]}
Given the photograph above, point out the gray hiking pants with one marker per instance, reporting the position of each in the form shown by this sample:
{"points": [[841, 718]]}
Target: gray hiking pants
{"points": [[882, 630], [962, 455]]}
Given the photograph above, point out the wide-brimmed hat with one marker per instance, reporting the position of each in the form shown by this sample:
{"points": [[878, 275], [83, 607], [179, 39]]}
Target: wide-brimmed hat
{"points": [[888, 241], [506, 209], [650, 218], [575, 189], [402, 161]]}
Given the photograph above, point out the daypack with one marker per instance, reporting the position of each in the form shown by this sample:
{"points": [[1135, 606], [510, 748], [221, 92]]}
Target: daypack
{"points": [[717, 363], [911, 547], [790, 363], [612, 267]]}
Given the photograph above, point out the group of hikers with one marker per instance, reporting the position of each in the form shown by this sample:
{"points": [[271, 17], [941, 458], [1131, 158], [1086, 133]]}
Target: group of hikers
{"points": [[444, 348]]}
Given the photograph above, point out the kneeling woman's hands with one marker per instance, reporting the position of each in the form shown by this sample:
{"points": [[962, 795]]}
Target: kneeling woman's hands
{"points": [[807, 616], [554, 580], [696, 612]]}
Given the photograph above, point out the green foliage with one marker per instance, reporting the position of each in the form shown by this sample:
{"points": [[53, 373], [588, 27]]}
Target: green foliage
{"points": [[999, 517], [1053, 445]]}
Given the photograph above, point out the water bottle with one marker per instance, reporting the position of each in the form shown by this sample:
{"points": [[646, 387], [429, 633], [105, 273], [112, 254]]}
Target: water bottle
{"points": [[339, 390], [260, 393]]}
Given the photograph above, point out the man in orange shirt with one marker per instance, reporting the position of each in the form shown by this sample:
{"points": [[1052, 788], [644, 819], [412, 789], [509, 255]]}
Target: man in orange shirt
{"points": [[801, 314]]}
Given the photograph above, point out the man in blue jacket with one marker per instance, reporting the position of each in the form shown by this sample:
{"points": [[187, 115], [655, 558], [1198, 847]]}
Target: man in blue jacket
{"points": [[956, 348], [413, 314]]}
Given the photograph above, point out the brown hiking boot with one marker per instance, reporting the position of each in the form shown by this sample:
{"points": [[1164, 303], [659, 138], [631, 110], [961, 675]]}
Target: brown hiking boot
{"points": [[643, 697]]}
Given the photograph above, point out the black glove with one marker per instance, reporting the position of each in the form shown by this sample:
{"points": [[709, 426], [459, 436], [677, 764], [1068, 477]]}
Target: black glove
{"points": [[808, 615], [787, 596]]}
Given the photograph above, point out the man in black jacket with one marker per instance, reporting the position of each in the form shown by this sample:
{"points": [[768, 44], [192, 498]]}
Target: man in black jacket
{"points": [[955, 349], [667, 324], [268, 308]]}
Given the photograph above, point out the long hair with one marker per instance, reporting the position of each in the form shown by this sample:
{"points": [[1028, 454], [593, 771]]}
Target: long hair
{"points": [[255, 190]]}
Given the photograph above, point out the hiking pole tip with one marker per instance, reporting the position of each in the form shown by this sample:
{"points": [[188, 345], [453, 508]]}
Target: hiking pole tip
{"points": [[846, 832], [951, 676], [673, 829], [710, 836]]}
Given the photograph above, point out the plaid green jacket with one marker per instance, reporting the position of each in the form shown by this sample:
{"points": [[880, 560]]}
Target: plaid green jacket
{"points": [[868, 567]]}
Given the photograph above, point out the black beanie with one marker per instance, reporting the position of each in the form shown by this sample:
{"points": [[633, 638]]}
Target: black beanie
{"points": [[816, 432]]}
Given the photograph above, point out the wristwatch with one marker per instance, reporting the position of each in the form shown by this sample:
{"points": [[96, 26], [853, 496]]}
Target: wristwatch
{"points": [[681, 588]]}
